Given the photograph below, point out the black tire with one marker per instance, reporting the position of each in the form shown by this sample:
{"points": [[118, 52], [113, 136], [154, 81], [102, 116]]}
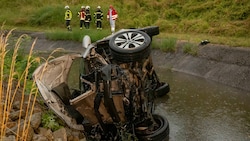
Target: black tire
{"points": [[159, 134], [162, 90], [130, 45], [151, 30]]}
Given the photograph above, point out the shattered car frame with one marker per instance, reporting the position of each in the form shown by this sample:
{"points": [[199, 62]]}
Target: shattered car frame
{"points": [[118, 86]]}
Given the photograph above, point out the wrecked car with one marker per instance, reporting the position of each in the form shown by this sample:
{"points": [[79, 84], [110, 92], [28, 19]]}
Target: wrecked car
{"points": [[116, 91]]}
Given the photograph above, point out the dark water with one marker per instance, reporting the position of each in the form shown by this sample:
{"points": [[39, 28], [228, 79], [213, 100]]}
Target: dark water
{"points": [[201, 110]]}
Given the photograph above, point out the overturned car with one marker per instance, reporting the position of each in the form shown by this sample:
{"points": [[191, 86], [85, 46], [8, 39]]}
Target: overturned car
{"points": [[116, 92]]}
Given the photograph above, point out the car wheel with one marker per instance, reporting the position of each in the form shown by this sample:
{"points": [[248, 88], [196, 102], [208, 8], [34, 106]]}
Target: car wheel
{"points": [[151, 30], [161, 133], [162, 90], [130, 45]]}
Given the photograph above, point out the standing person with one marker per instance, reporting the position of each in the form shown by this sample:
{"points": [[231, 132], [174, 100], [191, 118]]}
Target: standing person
{"points": [[98, 15], [68, 16], [112, 16], [82, 15], [87, 18]]}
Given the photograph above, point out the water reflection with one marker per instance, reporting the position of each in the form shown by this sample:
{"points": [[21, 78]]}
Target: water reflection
{"points": [[199, 109]]}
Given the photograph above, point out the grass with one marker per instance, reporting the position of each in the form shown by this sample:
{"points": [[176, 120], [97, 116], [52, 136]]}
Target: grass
{"points": [[13, 83], [221, 22], [197, 38], [77, 34], [190, 49], [165, 44]]}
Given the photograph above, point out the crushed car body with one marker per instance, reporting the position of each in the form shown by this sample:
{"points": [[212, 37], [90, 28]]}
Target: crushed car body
{"points": [[117, 88]]}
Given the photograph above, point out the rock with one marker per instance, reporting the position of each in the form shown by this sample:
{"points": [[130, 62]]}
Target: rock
{"points": [[29, 133], [38, 137], [26, 135], [36, 120], [46, 132], [15, 115], [74, 135], [60, 135], [16, 105], [84, 139], [9, 138]]}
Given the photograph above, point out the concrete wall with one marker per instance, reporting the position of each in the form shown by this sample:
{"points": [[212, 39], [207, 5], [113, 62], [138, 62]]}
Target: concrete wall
{"points": [[224, 64]]}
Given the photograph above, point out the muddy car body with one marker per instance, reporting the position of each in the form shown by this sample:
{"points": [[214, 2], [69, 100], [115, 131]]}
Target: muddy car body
{"points": [[117, 88]]}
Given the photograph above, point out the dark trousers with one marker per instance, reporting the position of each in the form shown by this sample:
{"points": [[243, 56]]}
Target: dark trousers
{"points": [[99, 24], [68, 24], [81, 23], [87, 24]]}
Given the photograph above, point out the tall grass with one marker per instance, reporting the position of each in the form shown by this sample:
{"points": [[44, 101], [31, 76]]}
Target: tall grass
{"points": [[10, 87]]}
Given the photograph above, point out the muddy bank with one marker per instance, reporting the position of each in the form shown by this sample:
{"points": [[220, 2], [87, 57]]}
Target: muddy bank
{"points": [[220, 63]]}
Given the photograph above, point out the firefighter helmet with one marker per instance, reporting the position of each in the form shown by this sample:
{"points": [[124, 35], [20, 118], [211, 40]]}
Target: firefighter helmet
{"points": [[66, 7]]}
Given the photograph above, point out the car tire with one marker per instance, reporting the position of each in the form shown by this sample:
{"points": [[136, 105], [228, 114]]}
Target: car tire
{"points": [[151, 30], [162, 90], [130, 46], [159, 134]]}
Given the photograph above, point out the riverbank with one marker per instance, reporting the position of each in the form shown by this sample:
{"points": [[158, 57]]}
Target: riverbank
{"points": [[220, 63]]}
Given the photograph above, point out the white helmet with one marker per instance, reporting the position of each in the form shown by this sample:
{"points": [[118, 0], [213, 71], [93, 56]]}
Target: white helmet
{"points": [[87, 7], [82, 7], [66, 7], [99, 7]]}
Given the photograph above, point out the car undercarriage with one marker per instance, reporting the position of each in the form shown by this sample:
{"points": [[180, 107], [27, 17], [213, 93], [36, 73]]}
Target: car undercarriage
{"points": [[118, 87]]}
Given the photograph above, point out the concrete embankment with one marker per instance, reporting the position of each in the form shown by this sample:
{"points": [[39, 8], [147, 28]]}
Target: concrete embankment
{"points": [[223, 64], [220, 63]]}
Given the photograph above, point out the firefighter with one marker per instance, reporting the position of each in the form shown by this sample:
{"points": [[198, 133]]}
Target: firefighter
{"points": [[82, 15], [98, 15], [68, 16], [112, 17], [87, 18]]}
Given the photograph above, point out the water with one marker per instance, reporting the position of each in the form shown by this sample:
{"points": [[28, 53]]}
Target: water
{"points": [[201, 110]]}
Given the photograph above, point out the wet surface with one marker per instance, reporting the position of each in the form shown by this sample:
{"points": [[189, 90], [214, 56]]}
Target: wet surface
{"points": [[199, 109]]}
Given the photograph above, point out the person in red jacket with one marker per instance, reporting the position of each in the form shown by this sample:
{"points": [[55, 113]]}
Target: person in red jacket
{"points": [[82, 15], [112, 16]]}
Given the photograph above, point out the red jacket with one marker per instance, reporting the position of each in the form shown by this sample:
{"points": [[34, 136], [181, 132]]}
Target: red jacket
{"points": [[82, 15], [113, 13]]}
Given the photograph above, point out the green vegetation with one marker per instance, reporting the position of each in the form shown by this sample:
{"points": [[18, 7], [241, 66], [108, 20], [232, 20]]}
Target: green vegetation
{"points": [[220, 21], [190, 49], [165, 44], [50, 121], [76, 35]]}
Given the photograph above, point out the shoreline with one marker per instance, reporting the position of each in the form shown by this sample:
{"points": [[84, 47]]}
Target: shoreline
{"points": [[220, 63]]}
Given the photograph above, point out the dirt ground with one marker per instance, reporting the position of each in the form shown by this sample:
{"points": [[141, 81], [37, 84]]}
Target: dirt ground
{"points": [[221, 63]]}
